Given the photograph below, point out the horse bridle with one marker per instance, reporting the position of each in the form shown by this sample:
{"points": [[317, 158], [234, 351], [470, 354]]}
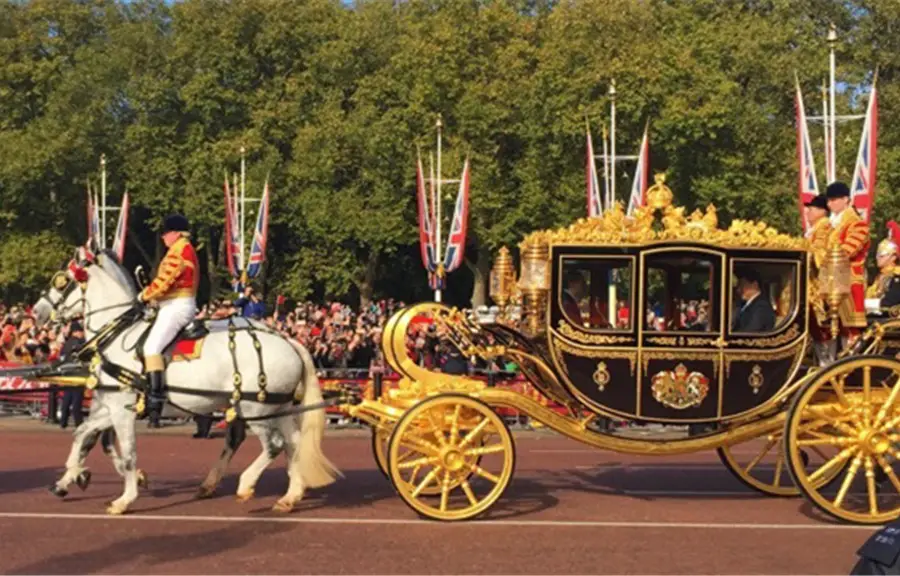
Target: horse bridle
{"points": [[64, 285]]}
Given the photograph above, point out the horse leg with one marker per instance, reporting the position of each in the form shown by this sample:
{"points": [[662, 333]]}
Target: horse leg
{"points": [[290, 431], [107, 442], [123, 423], [235, 435], [271, 448], [85, 438]]}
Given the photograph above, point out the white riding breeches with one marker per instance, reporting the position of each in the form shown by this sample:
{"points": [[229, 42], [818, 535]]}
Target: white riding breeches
{"points": [[173, 315]]}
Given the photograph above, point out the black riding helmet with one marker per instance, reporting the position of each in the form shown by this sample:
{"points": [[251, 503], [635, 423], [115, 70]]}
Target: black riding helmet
{"points": [[176, 223]]}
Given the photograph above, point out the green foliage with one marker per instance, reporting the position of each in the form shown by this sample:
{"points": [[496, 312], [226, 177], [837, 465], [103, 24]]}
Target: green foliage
{"points": [[27, 262], [332, 102]]}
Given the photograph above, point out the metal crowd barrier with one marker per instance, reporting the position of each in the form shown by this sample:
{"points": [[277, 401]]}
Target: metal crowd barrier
{"points": [[19, 397]]}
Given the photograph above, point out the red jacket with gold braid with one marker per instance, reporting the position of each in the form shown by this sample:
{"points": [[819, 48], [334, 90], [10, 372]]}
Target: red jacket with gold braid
{"points": [[852, 235], [178, 274]]}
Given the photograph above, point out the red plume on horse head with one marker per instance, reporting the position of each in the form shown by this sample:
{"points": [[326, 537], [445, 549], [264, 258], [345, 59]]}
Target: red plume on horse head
{"points": [[893, 231]]}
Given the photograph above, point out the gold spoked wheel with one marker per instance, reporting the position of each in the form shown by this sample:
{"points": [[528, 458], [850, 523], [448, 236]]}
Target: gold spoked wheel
{"points": [[381, 437], [761, 464], [456, 445], [850, 412]]}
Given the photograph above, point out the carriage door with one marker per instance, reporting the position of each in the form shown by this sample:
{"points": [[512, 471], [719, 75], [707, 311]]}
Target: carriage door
{"points": [[680, 337], [766, 335]]}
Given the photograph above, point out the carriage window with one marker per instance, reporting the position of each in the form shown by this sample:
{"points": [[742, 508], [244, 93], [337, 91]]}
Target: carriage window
{"points": [[596, 293], [682, 292], [764, 295]]}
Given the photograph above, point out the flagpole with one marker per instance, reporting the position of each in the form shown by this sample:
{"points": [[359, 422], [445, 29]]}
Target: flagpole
{"points": [[605, 168], [611, 191], [832, 40], [825, 124], [103, 205], [243, 209], [438, 256]]}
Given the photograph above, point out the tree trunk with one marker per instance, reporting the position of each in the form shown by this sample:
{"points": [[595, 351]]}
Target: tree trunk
{"points": [[367, 286], [482, 271], [213, 263]]}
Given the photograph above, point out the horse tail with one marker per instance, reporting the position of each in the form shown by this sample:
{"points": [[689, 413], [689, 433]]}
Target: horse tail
{"points": [[315, 468]]}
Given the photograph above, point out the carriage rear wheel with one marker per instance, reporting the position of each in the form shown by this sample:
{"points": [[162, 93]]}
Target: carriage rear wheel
{"points": [[851, 412], [761, 464], [457, 446]]}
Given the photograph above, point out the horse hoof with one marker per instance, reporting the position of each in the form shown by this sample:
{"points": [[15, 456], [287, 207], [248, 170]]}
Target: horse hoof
{"points": [[142, 480], [245, 496], [206, 492], [83, 480], [282, 506], [58, 492], [115, 509]]}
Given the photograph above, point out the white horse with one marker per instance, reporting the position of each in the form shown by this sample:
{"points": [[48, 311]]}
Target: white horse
{"points": [[63, 301], [200, 386]]}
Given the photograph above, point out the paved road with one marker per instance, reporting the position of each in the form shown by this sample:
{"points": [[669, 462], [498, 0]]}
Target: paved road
{"points": [[570, 509]]}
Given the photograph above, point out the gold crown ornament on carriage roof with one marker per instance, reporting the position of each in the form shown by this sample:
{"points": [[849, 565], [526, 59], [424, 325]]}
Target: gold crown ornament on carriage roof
{"points": [[660, 221]]}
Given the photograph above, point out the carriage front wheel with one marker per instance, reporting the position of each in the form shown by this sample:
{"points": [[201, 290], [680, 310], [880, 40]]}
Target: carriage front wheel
{"points": [[450, 457], [851, 412]]}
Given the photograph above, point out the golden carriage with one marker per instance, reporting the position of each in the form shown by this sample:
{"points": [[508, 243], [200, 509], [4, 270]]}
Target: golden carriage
{"points": [[651, 339]]}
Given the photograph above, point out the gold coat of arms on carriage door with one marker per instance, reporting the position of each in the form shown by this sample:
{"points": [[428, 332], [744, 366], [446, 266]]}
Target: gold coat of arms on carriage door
{"points": [[680, 389]]}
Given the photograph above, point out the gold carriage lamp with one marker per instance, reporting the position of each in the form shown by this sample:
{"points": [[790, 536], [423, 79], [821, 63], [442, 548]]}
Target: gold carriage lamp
{"points": [[503, 278], [534, 281], [834, 284]]}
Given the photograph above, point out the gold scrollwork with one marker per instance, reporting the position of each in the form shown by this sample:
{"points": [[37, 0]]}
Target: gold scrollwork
{"points": [[570, 332], [679, 388], [730, 358], [756, 379], [601, 376], [648, 356], [659, 221], [560, 346], [663, 340], [697, 342], [792, 333]]}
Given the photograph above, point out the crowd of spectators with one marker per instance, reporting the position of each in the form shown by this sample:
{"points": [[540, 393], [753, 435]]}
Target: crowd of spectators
{"points": [[341, 339]]}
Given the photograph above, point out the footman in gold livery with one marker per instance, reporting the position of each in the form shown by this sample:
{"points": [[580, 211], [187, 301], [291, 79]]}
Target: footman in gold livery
{"points": [[642, 318]]}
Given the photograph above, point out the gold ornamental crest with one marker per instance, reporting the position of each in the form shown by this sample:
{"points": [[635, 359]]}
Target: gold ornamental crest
{"points": [[680, 389]]}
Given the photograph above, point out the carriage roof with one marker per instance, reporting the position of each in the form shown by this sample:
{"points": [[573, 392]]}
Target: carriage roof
{"points": [[659, 222]]}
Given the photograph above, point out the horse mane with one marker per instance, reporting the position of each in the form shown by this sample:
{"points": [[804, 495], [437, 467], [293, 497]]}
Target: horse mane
{"points": [[108, 261]]}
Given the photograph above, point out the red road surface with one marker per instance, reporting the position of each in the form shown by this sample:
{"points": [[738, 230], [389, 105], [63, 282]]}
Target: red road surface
{"points": [[569, 509]]}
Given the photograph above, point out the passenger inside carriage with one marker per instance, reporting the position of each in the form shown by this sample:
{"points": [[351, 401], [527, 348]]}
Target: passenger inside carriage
{"points": [[756, 313], [596, 293]]}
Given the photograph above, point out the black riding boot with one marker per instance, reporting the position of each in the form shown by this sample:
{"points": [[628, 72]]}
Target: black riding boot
{"points": [[156, 395]]}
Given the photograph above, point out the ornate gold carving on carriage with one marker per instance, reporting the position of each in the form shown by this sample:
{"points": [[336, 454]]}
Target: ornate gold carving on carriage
{"points": [[829, 433]]}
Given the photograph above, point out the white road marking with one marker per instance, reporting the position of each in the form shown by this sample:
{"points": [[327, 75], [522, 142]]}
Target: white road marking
{"points": [[411, 522], [673, 467]]}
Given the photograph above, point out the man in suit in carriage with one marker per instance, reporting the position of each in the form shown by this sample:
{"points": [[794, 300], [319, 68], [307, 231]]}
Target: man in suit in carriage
{"points": [[175, 290], [756, 314], [575, 290], [817, 214], [885, 290], [851, 234]]}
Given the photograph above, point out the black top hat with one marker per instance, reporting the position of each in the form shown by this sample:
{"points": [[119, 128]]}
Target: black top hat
{"points": [[837, 190], [76, 327], [176, 223], [819, 201]]}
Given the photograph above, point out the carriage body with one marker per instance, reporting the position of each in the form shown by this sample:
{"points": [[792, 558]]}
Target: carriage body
{"points": [[603, 332]]}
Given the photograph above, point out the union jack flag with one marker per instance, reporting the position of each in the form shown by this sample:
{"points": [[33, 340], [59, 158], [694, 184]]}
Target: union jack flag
{"points": [[232, 238], [862, 192], [260, 236], [592, 184], [808, 186], [456, 241], [641, 175], [426, 225], [121, 229]]}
